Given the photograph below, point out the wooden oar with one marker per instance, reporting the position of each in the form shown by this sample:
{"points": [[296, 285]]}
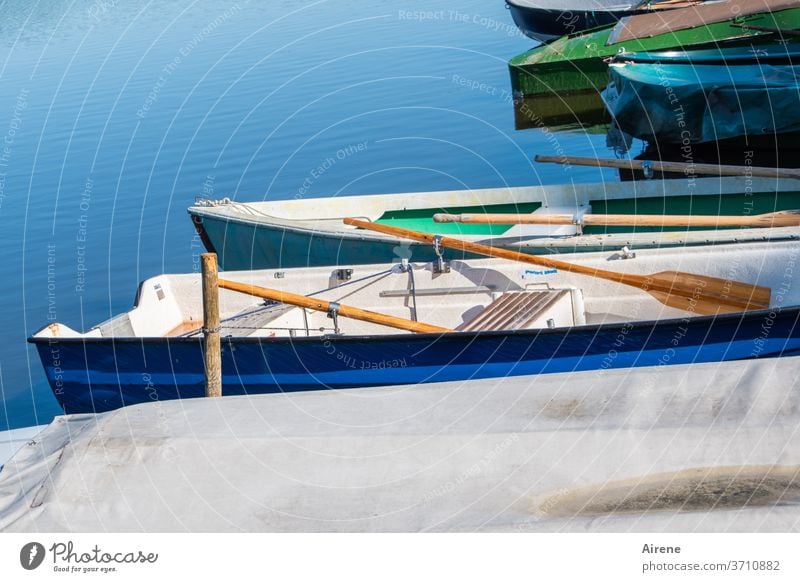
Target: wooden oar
{"points": [[326, 306], [680, 167], [695, 293], [768, 220]]}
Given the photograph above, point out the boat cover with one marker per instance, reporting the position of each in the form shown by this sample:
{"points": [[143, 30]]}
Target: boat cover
{"points": [[12, 440], [663, 22], [647, 449], [691, 103]]}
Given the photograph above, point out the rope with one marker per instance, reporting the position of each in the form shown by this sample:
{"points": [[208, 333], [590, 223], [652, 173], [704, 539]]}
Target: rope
{"points": [[248, 208]]}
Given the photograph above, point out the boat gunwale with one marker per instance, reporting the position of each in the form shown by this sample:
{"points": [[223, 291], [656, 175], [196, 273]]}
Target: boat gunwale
{"points": [[674, 58], [690, 237], [738, 315], [623, 5], [333, 230], [546, 194]]}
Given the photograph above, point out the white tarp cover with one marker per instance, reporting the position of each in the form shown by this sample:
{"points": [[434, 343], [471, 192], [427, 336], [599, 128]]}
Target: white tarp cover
{"points": [[707, 447], [12, 440]]}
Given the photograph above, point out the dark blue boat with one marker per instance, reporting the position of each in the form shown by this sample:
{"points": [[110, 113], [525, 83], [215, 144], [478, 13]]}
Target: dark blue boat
{"points": [[97, 374], [545, 20]]}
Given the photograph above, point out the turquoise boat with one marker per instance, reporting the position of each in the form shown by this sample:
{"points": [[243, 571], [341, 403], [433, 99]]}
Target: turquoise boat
{"points": [[560, 82], [706, 95], [310, 232]]}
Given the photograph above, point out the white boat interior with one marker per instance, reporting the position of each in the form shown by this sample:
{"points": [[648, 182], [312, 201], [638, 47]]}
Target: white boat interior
{"points": [[484, 294]]}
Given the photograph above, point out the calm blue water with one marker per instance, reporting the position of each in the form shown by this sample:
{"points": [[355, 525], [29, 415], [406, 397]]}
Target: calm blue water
{"points": [[115, 115]]}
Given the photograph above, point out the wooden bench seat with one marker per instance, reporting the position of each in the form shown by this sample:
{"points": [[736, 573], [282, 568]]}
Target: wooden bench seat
{"points": [[514, 310]]}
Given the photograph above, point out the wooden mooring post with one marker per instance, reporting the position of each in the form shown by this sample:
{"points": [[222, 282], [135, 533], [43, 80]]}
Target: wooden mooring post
{"points": [[211, 343]]}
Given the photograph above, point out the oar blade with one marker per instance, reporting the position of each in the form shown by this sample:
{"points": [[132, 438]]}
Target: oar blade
{"points": [[709, 295]]}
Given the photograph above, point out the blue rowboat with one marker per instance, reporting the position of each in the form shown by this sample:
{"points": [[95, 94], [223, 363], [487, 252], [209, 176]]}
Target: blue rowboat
{"points": [[700, 96], [123, 371], [509, 320], [309, 232]]}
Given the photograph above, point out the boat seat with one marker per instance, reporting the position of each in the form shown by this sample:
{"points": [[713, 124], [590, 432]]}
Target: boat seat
{"points": [[517, 310]]}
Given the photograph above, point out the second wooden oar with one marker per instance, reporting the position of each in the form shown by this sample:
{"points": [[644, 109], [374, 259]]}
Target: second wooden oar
{"points": [[680, 167], [695, 293], [328, 306], [768, 220]]}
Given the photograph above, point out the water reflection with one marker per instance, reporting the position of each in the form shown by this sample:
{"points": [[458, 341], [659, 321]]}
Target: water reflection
{"points": [[765, 151]]}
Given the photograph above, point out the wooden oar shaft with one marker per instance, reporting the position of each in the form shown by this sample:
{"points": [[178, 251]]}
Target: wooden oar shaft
{"points": [[325, 306], [479, 249], [682, 167], [506, 218], [692, 287], [773, 219]]}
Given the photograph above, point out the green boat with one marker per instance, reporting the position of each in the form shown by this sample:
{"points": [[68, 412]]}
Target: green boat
{"points": [[560, 82], [310, 232]]}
